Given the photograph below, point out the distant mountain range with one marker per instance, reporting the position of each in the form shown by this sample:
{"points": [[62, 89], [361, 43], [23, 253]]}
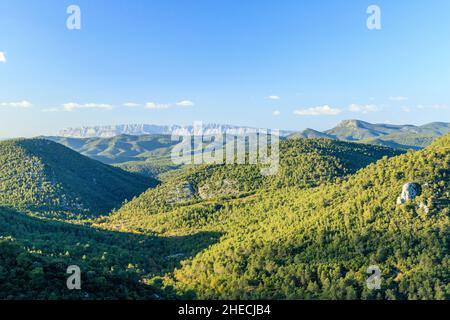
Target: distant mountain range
{"points": [[146, 129], [355, 130], [396, 136]]}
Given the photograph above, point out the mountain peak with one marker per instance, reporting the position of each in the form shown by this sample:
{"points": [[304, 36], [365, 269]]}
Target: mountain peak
{"points": [[353, 130], [354, 123]]}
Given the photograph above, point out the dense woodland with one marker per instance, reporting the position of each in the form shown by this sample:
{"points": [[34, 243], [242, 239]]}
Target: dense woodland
{"points": [[304, 163], [227, 232], [44, 176]]}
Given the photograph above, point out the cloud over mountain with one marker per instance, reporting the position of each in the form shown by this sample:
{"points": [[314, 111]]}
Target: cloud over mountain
{"points": [[367, 108], [72, 106], [185, 103], [318, 111]]}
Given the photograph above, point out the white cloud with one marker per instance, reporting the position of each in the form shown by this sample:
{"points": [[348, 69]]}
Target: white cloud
{"points": [[434, 106], [154, 105], [406, 109], [51, 110], [367, 108], [131, 104], [318, 111], [185, 103], [20, 104], [276, 113], [398, 98], [273, 98], [439, 106], [2, 57], [72, 106]]}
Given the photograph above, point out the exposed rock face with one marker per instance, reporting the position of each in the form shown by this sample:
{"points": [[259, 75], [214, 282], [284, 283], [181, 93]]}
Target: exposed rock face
{"points": [[144, 129], [218, 189], [409, 192], [182, 193], [425, 208]]}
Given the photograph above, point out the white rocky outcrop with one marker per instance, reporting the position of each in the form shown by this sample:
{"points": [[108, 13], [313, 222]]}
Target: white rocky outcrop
{"points": [[410, 191], [424, 207]]}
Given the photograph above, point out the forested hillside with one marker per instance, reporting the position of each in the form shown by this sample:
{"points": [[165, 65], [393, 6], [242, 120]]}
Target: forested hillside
{"points": [[40, 175], [304, 163], [317, 243], [405, 141], [35, 254]]}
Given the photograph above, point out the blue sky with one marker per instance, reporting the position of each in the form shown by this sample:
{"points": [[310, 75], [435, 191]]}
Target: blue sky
{"points": [[286, 64]]}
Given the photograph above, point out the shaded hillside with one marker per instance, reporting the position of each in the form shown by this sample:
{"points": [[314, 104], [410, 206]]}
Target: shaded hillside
{"points": [[44, 176], [35, 254], [414, 141]]}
